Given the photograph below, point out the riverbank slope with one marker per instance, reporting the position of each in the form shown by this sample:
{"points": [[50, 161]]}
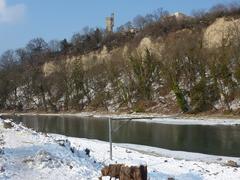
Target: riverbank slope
{"points": [[26, 154]]}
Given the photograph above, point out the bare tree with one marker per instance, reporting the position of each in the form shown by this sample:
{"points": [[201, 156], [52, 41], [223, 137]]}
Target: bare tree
{"points": [[139, 22]]}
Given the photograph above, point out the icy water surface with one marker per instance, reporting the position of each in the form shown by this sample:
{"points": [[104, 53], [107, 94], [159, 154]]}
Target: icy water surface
{"points": [[218, 140]]}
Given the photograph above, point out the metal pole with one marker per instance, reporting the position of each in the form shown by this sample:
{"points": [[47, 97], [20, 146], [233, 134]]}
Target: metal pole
{"points": [[110, 136]]}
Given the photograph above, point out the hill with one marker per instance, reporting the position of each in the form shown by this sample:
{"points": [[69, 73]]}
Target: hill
{"points": [[157, 63]]}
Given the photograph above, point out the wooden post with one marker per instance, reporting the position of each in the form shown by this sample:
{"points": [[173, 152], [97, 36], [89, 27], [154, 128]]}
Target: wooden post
{"points": [[110, 136]]}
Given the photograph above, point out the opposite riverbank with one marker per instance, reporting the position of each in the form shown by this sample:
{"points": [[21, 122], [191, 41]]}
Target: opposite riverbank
{"points": [[176, 119]]}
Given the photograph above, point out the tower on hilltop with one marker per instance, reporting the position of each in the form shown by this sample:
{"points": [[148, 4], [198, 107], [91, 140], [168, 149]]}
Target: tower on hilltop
{"points": [[110, 23]]}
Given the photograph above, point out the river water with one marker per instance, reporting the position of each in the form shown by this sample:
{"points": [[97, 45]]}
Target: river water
{"points": [[217, 140]]}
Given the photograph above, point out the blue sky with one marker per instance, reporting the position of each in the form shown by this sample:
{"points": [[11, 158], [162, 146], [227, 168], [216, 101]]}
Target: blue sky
{"points": [[22, 20]]}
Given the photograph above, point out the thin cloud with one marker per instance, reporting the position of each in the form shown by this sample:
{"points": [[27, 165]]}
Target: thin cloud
{"points": [[11, 14]]}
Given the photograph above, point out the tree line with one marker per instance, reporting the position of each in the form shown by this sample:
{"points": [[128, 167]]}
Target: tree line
{"points": [[42, 76]]}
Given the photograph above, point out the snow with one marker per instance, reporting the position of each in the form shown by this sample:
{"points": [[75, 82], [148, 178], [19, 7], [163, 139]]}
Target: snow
{"points": [[7, 120], [160, 167], [192, 121], [189, 156], [26, 154], [31, 155]]}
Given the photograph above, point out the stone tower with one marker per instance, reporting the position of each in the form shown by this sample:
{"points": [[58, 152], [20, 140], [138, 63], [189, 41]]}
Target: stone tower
{"points": [[110, 23]]}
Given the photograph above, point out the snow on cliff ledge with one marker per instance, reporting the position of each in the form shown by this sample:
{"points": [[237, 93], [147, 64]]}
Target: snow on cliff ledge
{"points": [[26, 154]]}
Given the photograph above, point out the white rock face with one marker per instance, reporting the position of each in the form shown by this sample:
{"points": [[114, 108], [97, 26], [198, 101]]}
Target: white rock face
{"points": [[49, 68], [145, 43], [125, 51], [153, 47], [93, 58], [222, 32]]}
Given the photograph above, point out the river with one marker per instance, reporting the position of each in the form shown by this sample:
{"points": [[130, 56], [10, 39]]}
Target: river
{"points": [[217, 140]]}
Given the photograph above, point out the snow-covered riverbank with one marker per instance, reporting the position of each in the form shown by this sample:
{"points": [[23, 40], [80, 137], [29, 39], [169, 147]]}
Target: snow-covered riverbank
{"points": [[26, 154]]}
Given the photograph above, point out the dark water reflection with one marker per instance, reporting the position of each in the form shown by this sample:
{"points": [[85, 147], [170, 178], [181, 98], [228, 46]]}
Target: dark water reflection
{"points": [[219, 140]]}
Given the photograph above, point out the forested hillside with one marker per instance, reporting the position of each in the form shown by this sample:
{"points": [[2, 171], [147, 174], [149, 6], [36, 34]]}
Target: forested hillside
{"points": [[156, 63]]}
